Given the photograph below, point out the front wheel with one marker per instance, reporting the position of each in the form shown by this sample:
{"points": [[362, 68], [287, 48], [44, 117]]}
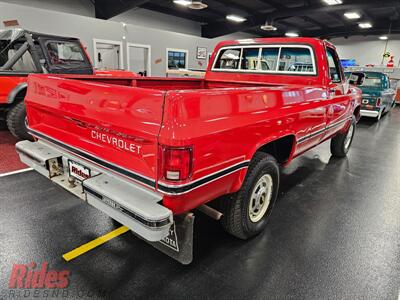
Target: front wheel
{"points": [[246, 213], [341, 143]]}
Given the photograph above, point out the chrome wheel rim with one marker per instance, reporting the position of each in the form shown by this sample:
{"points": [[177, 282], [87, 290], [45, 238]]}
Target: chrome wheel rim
{"points": [[260, 198], [349, 136]]}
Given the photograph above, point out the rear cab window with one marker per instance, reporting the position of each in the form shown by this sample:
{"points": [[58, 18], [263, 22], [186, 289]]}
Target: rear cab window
{"points": [[373, 80], [273, 59]]}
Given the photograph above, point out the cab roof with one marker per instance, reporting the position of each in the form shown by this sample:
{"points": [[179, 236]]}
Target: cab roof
{"points": [[281, 40], [17, 33]]}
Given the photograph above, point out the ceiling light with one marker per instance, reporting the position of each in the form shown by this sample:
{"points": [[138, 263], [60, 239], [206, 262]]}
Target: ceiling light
{"points": [[383, 38], [291, 34], [197, 4], [183, 2], [333, 2], [234, 18], [352, 15], [268, 27], [365, 25]]}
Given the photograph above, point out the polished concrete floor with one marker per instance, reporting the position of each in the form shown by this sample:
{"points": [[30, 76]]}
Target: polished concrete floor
{"points": [[334, 234]]}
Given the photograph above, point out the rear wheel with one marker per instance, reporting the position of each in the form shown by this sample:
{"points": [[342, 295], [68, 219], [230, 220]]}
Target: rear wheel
{"points": [[16, 121], [341, 143], [246, 213]]}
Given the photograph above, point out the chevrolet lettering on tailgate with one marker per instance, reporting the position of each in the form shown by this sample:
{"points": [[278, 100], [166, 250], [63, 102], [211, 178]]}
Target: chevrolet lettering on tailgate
{"points": [[116, 142]]}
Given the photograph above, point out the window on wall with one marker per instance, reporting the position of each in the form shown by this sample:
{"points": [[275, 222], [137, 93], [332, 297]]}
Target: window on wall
{"points": [[177, 59]]}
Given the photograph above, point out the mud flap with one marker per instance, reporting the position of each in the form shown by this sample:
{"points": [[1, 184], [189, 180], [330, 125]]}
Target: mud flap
{"points": [[179, 242]]}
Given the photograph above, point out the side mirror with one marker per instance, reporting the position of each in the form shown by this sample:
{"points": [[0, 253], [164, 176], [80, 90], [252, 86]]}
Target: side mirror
{"points": [[356, 78]]}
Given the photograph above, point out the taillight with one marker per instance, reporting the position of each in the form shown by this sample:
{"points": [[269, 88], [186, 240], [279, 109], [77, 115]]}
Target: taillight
{"points": [[378, 102], [177, 163]]}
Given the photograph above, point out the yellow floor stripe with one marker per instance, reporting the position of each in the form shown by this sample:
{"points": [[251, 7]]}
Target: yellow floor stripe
{"points": [[95, 243]]}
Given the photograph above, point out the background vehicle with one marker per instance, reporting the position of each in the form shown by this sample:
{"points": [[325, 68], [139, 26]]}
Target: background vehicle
{"points": [[378, 95], [149, 151], [23, 52]]}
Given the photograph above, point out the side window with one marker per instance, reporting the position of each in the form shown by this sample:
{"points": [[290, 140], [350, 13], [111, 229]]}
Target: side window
{"points": [[228, 59], [250, 59], [334, 66], [63, 52], [298, 60], [269, 59]]}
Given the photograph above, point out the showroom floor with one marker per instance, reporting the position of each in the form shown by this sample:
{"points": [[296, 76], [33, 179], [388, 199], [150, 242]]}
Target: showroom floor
{"points": [[9, 160], [334, 233]]}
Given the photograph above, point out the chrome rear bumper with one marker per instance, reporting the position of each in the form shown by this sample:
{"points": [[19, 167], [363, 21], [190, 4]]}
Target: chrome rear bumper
{"points": [[130, 204], [369, 113]]}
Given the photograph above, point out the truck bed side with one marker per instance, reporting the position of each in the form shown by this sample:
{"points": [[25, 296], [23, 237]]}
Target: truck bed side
{"points": [[226, 126]]}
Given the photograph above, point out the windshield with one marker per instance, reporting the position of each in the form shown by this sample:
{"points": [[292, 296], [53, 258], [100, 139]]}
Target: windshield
{"points": [[65, 53]]}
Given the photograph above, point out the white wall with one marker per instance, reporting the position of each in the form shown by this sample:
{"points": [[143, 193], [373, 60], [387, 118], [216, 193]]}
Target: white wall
{"points": [[138, 16], [88, 28], [367, 50], [78, 7]]}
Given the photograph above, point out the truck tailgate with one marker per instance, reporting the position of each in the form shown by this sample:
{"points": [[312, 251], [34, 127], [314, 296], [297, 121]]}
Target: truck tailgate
{"points": [[113, 126]]}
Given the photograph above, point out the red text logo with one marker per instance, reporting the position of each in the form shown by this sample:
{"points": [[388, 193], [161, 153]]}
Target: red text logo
{"points": [[30, 276]]}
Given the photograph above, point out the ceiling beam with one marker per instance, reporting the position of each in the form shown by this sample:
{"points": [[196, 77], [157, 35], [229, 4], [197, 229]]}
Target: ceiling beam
{"points": [[219, 28], [274, 4], [312, 21], [105, 9]]}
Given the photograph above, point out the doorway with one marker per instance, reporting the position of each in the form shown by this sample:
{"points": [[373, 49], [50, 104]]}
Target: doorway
{"points": [[108, 55], [139, 59]]}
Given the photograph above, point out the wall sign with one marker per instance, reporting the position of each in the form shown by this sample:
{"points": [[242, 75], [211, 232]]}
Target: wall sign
{"points": [[10, 23], [387, 55], [201, 53]]}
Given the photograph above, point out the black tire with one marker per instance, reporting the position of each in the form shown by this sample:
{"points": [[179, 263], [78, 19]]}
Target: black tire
{"points": [[236, 218], [16, 121], [340, 146], [3, 124]]}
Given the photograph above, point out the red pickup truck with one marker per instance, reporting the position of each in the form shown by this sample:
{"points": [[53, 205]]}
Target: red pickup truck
{"points": [[150, 150]]}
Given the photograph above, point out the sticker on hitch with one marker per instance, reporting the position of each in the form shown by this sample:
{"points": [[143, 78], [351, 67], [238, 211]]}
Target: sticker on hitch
{"points": [[78, 171]]}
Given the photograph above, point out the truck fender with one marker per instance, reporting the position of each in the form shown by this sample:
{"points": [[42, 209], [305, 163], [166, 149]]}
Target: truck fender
{"points": [[357, 114], [242, 174], [14, 93]]}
